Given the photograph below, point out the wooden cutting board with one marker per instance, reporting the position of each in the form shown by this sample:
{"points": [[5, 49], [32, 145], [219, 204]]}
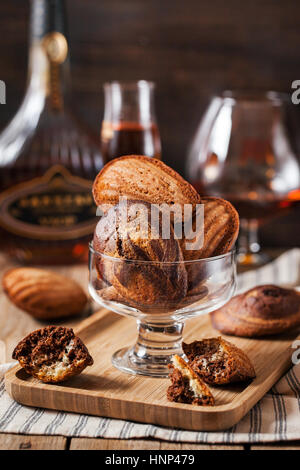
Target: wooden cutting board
{"points": [[2, 352], [102, 390]]}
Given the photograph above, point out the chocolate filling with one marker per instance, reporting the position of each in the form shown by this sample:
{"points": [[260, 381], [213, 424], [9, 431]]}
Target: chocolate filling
{"points": [[208, 360]]}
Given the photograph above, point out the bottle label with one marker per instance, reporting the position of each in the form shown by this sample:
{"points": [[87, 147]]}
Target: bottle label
{"points": [[56, 206]]}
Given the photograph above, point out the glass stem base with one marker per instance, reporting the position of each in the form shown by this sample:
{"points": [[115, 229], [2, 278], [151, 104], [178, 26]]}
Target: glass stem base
{"points": [[153, 351], [249, 250]]}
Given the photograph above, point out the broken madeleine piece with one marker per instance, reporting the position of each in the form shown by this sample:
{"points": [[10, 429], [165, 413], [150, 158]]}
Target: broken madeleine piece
{"points": [[186, 386], [218, 361], [52, 354]]}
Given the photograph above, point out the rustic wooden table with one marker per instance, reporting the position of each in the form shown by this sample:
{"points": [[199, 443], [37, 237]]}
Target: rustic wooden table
{"points": [[15, 324]]}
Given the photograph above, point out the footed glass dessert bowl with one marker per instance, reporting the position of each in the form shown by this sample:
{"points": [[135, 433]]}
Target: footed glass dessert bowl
{"points": [[161, 296]]}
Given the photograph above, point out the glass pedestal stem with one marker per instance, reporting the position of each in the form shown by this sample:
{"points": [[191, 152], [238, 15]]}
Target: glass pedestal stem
{"points": [[156, 344]]}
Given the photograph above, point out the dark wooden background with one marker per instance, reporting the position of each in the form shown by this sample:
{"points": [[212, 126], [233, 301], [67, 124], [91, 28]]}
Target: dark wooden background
{"points": [[190, 48]]}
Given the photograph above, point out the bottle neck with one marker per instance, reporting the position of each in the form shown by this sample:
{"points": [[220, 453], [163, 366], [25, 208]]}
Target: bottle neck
{"points": [[48, 56]]}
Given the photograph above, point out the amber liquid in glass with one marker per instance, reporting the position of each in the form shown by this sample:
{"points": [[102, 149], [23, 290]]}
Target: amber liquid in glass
{"points": [[129, 138], [253, 207], [262, 210]]}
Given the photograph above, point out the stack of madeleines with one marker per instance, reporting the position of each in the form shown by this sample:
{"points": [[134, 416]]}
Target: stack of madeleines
{"points": [[158, 279]]}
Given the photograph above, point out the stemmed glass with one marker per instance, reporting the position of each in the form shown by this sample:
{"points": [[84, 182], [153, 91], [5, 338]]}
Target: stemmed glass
{"points": [[242, 152], [160, 324], [129, 123]]}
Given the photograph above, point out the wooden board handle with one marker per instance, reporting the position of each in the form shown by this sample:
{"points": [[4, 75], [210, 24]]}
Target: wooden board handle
{"points": [[2, 352]]}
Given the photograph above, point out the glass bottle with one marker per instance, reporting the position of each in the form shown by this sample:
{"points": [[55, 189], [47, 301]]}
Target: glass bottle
{"points": [[48, 159]]}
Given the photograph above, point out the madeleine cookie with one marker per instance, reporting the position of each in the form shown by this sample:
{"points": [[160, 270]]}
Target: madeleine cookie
{"points": [[139, 271], [110, 294], [142, 178], [44, 294], [52, 354], [263, 310], [218, 361], [186, 386], [221, 228]]}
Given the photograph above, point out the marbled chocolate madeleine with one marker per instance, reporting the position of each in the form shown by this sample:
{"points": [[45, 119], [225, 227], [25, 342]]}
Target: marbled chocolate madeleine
{"points": [[218, 361], [141, 275], [187, 387], [52, 354], [111, 294], [221, 228], [262, 310], [193, 296]]}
